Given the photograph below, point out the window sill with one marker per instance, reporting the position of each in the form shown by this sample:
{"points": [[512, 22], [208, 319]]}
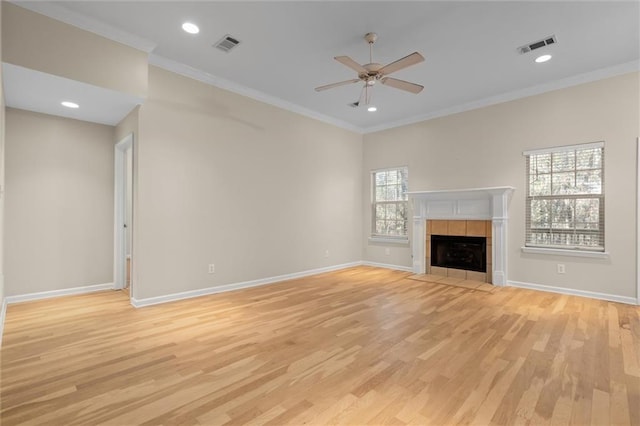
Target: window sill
{"points": [[563, 252], [390, 240]]}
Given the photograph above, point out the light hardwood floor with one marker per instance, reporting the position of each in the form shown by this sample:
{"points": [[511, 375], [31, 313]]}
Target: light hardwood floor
{"points": [[358, 346]]}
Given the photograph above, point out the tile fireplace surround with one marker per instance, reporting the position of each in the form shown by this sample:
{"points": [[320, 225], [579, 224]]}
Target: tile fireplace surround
{"points": [[460, 228], [463, 204]]}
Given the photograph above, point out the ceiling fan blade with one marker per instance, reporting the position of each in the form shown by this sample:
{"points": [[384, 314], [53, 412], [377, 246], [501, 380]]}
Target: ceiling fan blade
{"points": [[402, 85], [345, 60], [332, 85], [407, 61]]}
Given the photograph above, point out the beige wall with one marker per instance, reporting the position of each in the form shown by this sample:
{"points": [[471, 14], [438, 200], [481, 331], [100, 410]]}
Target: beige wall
{"points": [[259, 191], [40, 43], [483, 148], [2, 132], [59, 210], [254, 189]]}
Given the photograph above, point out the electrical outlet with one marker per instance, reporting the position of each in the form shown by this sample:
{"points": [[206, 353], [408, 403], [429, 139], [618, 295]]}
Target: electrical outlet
{"points": [[212, 268], [326, 253], [561, 268], [387, 251]]}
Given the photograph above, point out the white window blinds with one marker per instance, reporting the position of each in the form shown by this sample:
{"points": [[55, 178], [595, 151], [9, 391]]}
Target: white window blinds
{"points": [[389, 202], [565, 197]]}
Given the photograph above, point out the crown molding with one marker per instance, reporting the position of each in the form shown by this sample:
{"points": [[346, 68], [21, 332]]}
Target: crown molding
{"points": [[61, 13], [633, 66], [70, 17], [204, 77]]}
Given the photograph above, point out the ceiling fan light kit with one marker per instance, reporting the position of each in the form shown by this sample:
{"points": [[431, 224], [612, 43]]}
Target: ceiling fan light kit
{"points": [[373, 72]]}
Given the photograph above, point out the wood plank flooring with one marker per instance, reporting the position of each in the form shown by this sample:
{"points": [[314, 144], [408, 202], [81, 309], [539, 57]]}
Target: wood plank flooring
{"points": [[358, 346]]}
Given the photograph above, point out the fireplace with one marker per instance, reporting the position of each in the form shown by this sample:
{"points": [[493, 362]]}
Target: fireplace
{"points": [[459, 249], [444, 212], [459, 252]]}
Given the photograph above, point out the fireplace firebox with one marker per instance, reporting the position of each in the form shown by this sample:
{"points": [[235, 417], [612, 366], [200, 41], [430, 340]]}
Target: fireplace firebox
{"points": [[458, 252]]}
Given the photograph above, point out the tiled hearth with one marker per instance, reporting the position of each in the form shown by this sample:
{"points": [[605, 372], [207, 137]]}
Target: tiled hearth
{"points": [[465, 228]]}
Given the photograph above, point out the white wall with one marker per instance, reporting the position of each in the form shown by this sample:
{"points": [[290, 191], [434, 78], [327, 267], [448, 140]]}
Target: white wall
{"points": [[483, 148], [59, 209], [254, 189]]}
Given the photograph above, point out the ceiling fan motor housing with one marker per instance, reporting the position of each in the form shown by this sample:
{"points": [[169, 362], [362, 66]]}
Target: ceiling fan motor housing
{"points": [[371, 37], [373, 71]]}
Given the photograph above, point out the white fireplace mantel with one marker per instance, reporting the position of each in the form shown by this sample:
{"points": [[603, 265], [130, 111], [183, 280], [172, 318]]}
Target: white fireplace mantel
{"points": [[463, 204]]}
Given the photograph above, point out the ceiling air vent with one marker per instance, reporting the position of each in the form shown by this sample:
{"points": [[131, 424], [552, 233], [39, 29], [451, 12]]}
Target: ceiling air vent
{"points": [[227, 43], [537, 44]]}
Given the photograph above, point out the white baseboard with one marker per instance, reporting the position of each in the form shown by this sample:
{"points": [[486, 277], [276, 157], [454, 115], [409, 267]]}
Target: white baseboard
{"points": [[58, 293], [388, 266], [3, 313], [574, 292], [139, 303]]}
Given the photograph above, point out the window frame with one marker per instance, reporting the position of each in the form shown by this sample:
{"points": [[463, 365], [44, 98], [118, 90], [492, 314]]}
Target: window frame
{"points": [[387, 238], [569, 250]]}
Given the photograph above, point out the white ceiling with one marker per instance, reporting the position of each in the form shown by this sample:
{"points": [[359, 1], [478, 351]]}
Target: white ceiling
{"points": [[288, 47], [40, 92]]}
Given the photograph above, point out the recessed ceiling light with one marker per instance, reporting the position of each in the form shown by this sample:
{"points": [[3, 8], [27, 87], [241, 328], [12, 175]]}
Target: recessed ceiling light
{"points": [[372, 109], [190, 28], [543, 58], [69, 104]]}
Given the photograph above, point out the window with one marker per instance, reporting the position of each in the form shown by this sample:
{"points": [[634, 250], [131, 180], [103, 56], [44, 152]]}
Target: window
{"points": [[389, 206], [565, 197]]}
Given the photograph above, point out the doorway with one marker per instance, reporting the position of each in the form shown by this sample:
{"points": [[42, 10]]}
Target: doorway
{"points": [[123, 215]]}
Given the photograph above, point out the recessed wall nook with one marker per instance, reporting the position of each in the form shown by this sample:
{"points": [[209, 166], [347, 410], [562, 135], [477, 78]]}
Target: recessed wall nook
{"points": [[478, 212]]}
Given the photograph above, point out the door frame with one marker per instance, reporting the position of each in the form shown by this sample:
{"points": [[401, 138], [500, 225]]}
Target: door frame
{"points": [[120, 203]]}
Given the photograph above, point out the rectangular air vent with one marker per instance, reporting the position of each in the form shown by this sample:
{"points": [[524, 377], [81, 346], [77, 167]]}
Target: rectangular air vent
{"points": [[537, 44], [227, 43]]}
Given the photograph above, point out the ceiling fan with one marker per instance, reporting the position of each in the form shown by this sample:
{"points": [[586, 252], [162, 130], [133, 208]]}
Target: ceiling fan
{"points": [[372, 72]]}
